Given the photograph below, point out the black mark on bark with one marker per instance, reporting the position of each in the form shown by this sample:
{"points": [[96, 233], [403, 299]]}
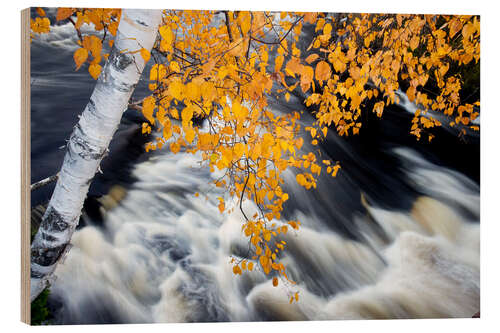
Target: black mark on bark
{"points": [[53, 221], [91, 106], [121, 61], [83, 148], [46, 257], [48, 237]]}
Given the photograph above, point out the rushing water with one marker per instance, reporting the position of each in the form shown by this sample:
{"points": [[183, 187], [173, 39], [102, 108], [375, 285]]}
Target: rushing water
{"points": [[395, 235]]}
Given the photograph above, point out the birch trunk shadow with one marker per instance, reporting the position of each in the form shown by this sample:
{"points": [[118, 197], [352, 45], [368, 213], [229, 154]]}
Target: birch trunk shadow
{"points": [[88, 143]]}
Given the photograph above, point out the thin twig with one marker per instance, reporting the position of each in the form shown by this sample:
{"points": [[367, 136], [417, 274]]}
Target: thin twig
{"points": [[226, 14], [44, 182], [77, 29]]}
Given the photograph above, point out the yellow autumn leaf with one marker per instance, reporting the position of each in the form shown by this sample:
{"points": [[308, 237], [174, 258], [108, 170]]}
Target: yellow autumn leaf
{"points": [[189, 134], [187, 114], [327, 29], [167, 129], [175, 147], [40, 11], [239, 111], [306, 77], [335, 170], [175, 89], [244, 18], [145, 54], [80, 56], [311, 58], [148, 105], [174, 66], [40, 25], [414, 41], [278, 62], [64, 13], [113, 28], [237, 47], [93, 44], [239, 150], [237, 270], [323, 71], [95, 70], [455, 26], [310, 17], [221, 205], [468, 30], [157, 72], [167, 36], [208, 66]]}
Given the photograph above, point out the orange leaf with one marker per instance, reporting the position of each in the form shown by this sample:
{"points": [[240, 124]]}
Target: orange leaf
{"points": [[455, 26], [236, 270], [310, 17], [306, 77], [189, 135], [40, 11], [80, 56], [95, 70], [93, 44], [167, 129], [245, 20], [175, 147], [64, 13], [145, 55], [311, 58], [335, 170], [148, 106], [167, 36], [208, 66], [323, 71], [174, 66], [278, 63], [327, 29], [221, 206], [113, 27], [415, 40], [468, 30]]}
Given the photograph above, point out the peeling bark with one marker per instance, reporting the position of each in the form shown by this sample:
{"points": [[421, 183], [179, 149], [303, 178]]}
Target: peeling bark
{"points": [[89, 142]]}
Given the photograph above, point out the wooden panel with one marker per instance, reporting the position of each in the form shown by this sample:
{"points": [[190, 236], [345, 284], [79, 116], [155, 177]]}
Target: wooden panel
{"points": [[25, 166]]}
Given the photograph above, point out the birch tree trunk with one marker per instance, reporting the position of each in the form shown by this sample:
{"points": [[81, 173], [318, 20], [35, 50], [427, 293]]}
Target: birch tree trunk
{"points": [[89, 142]]}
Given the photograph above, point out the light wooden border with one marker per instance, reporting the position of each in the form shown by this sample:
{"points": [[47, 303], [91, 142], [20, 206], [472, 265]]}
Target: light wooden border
{"points": [[25, 165]]}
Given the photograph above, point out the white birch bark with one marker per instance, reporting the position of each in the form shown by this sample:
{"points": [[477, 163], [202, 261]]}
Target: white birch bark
{"points": [[89, 142]]}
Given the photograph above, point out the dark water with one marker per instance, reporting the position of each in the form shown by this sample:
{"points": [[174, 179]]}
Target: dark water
{"points": [[151, 251]]}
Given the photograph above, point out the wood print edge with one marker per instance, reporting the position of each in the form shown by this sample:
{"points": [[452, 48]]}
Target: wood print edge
{"points": [[25, 167]]}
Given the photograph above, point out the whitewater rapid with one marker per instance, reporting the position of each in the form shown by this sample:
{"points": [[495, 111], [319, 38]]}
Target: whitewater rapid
{"points": [[162, 255]]}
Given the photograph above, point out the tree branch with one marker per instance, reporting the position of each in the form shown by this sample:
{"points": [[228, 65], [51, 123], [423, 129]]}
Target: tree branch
{"points": [[44, 182]]}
